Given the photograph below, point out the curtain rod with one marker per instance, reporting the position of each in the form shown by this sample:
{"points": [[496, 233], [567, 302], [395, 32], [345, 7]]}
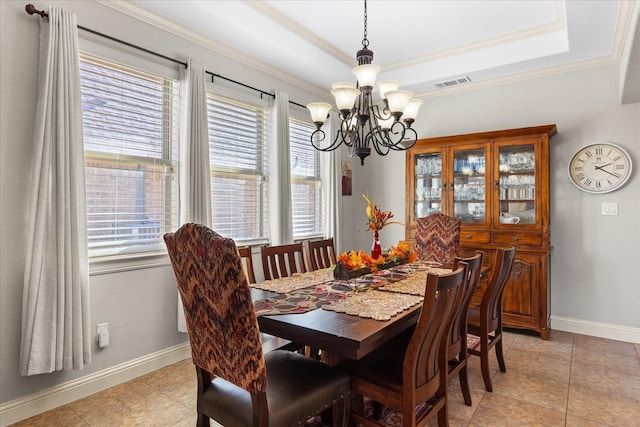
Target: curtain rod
{"points": [[31, 10]]}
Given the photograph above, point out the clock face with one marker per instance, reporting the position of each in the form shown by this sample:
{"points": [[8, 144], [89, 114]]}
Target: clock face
{"points": [[600, 168]]}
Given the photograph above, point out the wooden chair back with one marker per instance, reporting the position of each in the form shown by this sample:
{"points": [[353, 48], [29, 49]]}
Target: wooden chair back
{"points": [[319, 253], [486, 322], [427, 348], [247, 263], [412, 368], [491, 304], [458, 332], [282, 261], [437, 238], [457, 338]]}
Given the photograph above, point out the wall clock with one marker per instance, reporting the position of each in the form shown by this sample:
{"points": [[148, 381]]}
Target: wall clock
{"points": [[600, 167]]}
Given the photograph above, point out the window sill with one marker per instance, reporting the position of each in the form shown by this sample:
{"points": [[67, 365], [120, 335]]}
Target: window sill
{"points": [[118, 264]]}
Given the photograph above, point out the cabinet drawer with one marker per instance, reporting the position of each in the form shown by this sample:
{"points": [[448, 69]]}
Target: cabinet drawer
{"points": [[475, 236], [517, 238]]}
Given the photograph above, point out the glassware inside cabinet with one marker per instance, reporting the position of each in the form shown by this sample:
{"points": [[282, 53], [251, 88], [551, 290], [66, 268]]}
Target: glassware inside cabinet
{"points": [[517, 190], [469, 200], [428, 184]]}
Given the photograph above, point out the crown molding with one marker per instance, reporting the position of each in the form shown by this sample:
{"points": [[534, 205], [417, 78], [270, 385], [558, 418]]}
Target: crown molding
{"points": [[200, 39], [303, 32], [523, 76], [621, 36]]}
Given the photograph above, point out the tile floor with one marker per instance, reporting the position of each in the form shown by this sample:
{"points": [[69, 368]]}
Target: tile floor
{"points": [[570, 380]]}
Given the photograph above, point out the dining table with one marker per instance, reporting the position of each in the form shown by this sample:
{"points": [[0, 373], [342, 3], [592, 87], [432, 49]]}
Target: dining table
{"points": [[351, 318]]}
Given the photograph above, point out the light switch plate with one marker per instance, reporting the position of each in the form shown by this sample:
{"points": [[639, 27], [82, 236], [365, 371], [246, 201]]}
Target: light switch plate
{"points": [[609, 209]]}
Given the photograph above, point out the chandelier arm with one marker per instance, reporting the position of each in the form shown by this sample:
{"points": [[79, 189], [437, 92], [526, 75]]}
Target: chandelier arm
{"points": [[384, 115], [408, 139], [381, 149], [319, 136]]}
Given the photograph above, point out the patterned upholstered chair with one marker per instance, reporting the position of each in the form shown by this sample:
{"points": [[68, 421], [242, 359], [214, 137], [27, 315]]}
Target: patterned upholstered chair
{"points": [[404, 373], [238, 385], [437, 238], [485, 322]]}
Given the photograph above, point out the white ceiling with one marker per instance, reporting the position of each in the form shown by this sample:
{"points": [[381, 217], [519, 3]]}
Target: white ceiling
{"points": [[313, 43]]}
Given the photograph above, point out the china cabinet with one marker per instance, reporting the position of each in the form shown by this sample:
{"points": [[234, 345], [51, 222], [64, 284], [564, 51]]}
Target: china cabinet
{"points": [[497, 183]]}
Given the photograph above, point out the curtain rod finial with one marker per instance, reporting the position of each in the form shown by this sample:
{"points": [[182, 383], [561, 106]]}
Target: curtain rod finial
{"points": [[31, 9]]}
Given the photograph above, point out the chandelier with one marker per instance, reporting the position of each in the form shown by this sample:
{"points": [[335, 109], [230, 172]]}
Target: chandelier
{"points": [[363, 124]]}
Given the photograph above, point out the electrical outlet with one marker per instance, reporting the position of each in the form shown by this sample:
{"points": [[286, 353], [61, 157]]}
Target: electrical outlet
{"points": [[103, 335]]}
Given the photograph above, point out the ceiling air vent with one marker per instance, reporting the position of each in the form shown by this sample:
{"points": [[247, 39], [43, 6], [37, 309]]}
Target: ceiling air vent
{"points": [[458, 81]]}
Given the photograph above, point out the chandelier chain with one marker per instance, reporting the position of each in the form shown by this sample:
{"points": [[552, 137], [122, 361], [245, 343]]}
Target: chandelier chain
{"points": [[365, 41]]}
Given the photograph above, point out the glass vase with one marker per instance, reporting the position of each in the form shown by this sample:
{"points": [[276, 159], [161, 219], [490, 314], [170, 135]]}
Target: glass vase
{"points": [[376, 250]]}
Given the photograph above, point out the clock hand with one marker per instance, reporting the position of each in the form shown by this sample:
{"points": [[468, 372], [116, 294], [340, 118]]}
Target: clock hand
{"points": [[603, 166], [604, 170]]}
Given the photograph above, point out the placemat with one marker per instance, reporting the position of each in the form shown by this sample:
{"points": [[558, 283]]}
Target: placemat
{"points": [[374, 304], [295, 281], [415, 283]]}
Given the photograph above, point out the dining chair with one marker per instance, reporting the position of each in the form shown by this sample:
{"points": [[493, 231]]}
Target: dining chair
{"points": [[269, 342], [282, 261], [485, 322], [437, 238], [239, 385], [457, 342], [319, 253], [247, 263], [401, 378]]}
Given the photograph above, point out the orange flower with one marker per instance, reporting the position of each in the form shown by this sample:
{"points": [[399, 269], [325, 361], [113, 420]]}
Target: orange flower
{"points": [[355, 260]]}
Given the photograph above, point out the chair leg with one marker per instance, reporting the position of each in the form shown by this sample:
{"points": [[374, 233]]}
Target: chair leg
{"points": [[499, 354], [202, 420], [464, 385], [341, 410], [443, 416], [484, 364]]}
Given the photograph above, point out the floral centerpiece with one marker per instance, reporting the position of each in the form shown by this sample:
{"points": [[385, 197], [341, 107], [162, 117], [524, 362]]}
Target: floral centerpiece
{"points": [[376, 221], [357, 263]]}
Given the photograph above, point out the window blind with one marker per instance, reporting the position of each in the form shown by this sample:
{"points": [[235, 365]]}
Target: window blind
{"points": [[129, 128], [306, 185], [239, 181]]}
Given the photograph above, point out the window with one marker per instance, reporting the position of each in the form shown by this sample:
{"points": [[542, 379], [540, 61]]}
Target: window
{"points": [[239, 186], [306, 188], [129, 145]]}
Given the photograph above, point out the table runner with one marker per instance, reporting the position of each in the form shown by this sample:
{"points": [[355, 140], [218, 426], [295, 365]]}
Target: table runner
{"points": [[302, 300], [308, 291]]}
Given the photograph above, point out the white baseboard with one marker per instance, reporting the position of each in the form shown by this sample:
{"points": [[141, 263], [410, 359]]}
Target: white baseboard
{"points": [[54, 397], [46, 400], [596, 329]]}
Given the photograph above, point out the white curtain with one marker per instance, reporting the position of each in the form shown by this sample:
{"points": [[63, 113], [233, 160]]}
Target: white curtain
{"points": [[281, 214], [195, 170], [331, 176], [55, 309]]}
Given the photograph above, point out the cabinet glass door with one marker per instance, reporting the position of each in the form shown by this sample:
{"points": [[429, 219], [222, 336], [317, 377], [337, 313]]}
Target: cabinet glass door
{"points": [[469, 197], [517, 189], [428, 184]]}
